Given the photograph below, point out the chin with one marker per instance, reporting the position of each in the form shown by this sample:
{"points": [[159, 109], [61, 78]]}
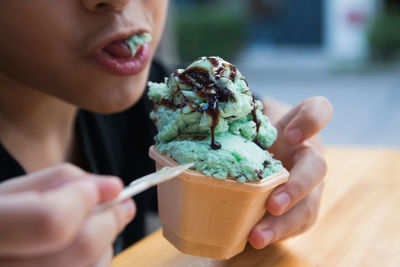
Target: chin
{"points": [[114, 95]]}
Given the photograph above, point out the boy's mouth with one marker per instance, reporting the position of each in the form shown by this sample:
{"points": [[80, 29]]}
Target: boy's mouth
{"points": [[128, 47], [125, 57], [118, 49]]}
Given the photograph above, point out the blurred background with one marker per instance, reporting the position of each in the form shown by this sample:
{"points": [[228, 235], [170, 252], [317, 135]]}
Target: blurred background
{"points": [[346, 50]]}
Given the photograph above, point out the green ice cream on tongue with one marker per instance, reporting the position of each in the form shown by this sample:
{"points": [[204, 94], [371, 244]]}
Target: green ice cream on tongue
{"points": [[137, 40], [206, 114]]}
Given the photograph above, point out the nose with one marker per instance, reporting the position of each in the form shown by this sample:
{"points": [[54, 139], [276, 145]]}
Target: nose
{"points": [[105, 5]]}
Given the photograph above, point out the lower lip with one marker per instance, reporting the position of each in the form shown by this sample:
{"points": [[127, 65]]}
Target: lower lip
{"points": [[124, 66]]}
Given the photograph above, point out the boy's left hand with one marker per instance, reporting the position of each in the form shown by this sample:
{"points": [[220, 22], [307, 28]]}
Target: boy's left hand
{"points": [[293, 207]]}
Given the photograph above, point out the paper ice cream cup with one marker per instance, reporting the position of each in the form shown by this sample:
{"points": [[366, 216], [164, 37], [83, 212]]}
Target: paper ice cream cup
{"points": [[210, 217]]}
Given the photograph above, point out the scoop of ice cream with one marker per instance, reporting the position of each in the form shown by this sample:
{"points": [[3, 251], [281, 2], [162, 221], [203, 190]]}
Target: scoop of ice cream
{"points": [[137, 40], [238, 157], [206, 114]]}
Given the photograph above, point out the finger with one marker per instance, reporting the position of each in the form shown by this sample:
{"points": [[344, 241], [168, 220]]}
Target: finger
{"points": [[280, 148], [108, 186], [284, 121], [37, 223], [312, 115], [275, 228], [94, 239], [42, 180], [315, 194], [57, 176], [274, 109], [308, 171], [90, 245]]}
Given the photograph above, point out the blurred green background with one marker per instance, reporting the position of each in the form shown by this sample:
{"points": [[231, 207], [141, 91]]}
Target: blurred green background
{"points": [[204, 30], [227, 27], [384, 35]]}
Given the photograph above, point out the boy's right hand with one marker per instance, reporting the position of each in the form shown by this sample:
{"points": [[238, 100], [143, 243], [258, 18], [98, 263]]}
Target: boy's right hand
{"points": [[47, 219]]}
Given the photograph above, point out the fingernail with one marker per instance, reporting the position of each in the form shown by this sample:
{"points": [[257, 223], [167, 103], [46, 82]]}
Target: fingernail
{"points": [[283, 200], [98, 179], [268, 236], [294, 136]]}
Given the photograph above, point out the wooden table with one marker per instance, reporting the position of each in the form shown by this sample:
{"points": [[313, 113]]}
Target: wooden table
{"points": [[359, 222]]}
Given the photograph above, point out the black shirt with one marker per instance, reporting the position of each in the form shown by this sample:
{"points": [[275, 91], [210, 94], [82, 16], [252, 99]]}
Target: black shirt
{"points": [[115, 144]]}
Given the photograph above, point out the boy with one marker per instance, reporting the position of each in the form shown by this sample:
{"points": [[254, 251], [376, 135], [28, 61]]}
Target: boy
{"points": [[63, 64]]}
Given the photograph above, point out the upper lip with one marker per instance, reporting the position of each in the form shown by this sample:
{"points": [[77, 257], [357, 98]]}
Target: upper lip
{"points": [[116, 37]]}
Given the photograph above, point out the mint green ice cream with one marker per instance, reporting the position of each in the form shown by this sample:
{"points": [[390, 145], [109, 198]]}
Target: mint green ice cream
{"points": [[206, 114], [137, 40]]}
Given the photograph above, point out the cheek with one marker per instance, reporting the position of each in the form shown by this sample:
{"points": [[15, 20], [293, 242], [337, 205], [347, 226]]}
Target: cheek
{"points": [[159, 12], [19, 44], [32, 51]]}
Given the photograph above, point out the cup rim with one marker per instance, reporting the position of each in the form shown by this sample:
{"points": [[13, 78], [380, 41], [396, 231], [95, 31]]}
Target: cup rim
{"points": [[191, 176]]}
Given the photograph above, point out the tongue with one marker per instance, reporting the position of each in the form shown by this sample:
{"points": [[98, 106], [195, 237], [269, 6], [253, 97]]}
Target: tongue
{"points": [[118, 49]]}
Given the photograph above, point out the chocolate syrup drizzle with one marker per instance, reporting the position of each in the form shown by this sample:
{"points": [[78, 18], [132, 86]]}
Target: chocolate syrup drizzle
{"points": [[199, 79], [258, 124]]}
